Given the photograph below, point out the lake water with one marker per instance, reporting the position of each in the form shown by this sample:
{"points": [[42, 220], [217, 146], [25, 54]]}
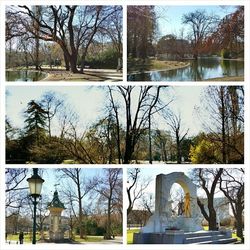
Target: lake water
{"points": [[24, 75], [203, 69]]}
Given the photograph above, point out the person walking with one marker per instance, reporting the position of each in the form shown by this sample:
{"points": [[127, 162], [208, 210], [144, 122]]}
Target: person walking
{"points": [[21, 237]]}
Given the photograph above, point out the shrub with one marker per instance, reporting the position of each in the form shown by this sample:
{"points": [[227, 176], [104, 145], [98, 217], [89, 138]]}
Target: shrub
{"points": [[106, 60]]}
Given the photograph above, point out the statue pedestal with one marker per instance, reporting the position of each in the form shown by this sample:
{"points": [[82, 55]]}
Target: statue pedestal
{"points": [[169, 237], [181, 237], [56, 236], [161, 223]]}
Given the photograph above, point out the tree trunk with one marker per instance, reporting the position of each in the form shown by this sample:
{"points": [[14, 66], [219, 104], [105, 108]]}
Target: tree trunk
{"points": [[128, 150], [83, 58], [73, 64], [66, 60], [211, 215], [178, 146], [223, 125], [118, 139], [37, 54], [239, 224], [81, 229], [108, 229], [150, 139], [70, 60], [212, 219], [127, 155], [37, 30]]}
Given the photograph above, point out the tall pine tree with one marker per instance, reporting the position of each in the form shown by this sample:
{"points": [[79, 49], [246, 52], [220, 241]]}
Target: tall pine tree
{"points": [[35, 121]]}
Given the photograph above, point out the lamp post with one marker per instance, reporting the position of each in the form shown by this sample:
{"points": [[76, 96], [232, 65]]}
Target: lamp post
{"points": [[35, 186]]}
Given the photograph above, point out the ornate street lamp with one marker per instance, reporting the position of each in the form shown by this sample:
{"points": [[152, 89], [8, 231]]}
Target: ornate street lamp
{"points": [[35, 185]]}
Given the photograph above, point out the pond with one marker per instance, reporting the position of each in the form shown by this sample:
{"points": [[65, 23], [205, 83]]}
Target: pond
{"points": [[203, 69], [24, 75]]}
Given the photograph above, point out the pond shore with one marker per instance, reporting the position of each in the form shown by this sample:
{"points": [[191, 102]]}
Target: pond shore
{"points": [[90, 75], [137, 67], [155, 65], [226, 79]]}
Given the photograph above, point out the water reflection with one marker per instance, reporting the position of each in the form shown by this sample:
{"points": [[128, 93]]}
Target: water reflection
{"points": [[204, 68], [24, 76]]}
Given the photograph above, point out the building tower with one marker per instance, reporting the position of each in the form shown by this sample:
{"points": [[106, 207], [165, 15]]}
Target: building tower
{"points": [[55, 207]]}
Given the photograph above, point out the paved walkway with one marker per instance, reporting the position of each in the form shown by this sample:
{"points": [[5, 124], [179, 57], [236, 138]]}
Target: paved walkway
{"points": [[116, 241], [106, 75]]}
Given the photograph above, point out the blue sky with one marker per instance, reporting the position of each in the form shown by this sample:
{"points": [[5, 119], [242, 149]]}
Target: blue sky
{"points": [[151, 173], [50, 177], [170, 21], [89, 103]]}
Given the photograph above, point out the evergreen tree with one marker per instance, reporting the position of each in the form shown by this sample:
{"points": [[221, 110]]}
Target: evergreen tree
{"points": [[35, 121]]}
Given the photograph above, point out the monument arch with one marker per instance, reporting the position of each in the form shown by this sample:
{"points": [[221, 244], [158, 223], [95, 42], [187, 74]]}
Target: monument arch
{"points": [[162, 219]]}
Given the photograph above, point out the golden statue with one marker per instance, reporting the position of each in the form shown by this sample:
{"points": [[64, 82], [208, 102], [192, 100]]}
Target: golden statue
{"points": [[187, 207]]}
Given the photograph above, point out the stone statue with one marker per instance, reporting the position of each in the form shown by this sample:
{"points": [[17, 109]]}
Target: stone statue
{"points": [[187, 207]]}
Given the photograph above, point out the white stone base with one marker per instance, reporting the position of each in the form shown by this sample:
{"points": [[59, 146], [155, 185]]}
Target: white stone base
{"points": [[159, 224], [56, 236]]}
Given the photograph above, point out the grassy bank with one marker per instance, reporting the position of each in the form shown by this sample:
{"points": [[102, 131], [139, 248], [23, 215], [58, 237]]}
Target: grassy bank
{"points": [[227, 79], [138, 65]]}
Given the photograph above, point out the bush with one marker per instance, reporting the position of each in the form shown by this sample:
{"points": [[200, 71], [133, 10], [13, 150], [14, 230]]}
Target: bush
{"points": [[106, 60]]}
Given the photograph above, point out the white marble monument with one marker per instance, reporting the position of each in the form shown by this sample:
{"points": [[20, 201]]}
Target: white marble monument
{"points": [[162, 220]]}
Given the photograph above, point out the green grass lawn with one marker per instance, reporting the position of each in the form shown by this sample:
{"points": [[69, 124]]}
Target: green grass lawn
{"points": [[235, 236], [27, 238], [15, 237], [147, 64], [130, 233]]}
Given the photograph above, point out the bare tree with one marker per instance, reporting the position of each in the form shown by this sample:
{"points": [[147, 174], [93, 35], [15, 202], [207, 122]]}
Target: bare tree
{"points": [[76, 189], [114, 107], [148, 203], [50, 103], [15, 192], [137, 114], [232, 185], [163, 142], [208, 179], [136, 187], [71, 139], [109, 186], [37, 12], [175, 123], [114, 31], [202, 25]]}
